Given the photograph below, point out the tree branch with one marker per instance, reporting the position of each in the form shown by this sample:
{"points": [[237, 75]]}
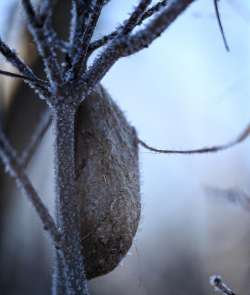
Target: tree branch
{"points": [[36, 82], [155, 28], [26, 73], [213, 149], [218, 285], [233, 195], [135, 17], [12, 58], [79, 62], [43, 37], [105, 39], [81, 13], [46, 9], [15, 169], [123, 46], [217, 12], [46, 121]]}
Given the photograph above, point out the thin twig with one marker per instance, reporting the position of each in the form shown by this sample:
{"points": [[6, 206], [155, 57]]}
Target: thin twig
{"points": [[12, 57], [79, 62], [14, 168], [213, 149], [125, 46], [135, 17], [43, 38], [217, 12], [154, 9], [26, 73], [218, 285], [46, 8], [105, 39], [47, 119], [143, 38], [39, 83], [82, 11]]}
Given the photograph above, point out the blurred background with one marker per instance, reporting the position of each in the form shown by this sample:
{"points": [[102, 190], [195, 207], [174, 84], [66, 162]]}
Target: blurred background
{"points": [[184, 92]]}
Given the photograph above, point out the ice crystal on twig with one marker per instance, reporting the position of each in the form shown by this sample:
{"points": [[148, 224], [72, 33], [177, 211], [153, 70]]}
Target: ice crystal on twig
{"points": [[218, 285]]}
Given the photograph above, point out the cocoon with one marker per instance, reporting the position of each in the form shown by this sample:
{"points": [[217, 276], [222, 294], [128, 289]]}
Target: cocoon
{"points": [[108, 182]]}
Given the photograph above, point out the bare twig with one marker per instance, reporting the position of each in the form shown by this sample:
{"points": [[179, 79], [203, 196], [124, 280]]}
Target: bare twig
{"points": [[105, 39], [47, 120], [155, 28], [39, 83], [12, 57], [218, 285], [79, 62], [12, 166], [213, 149], [154, 9], [82, 11], [135, 17], [217, 12], [43, 37], [123, 46], [26, 73]]}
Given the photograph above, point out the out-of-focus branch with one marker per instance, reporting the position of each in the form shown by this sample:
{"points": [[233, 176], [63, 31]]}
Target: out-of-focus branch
{"points": [[25, 71], [16, 62], [213, 149], [46, 8], [36, 82], [36, 138], [15, 169], [233, 195], [218, 285]]}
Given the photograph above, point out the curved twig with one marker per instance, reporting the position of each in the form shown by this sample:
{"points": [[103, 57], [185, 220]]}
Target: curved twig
{"points": [[204, 150], [217, 12]]}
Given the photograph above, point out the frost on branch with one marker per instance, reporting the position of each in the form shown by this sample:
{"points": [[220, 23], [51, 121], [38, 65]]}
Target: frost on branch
{"points": [[218, 285]]}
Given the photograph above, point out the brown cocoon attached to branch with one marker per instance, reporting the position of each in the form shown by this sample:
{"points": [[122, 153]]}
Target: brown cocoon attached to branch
{"points": [[108, 182]]}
